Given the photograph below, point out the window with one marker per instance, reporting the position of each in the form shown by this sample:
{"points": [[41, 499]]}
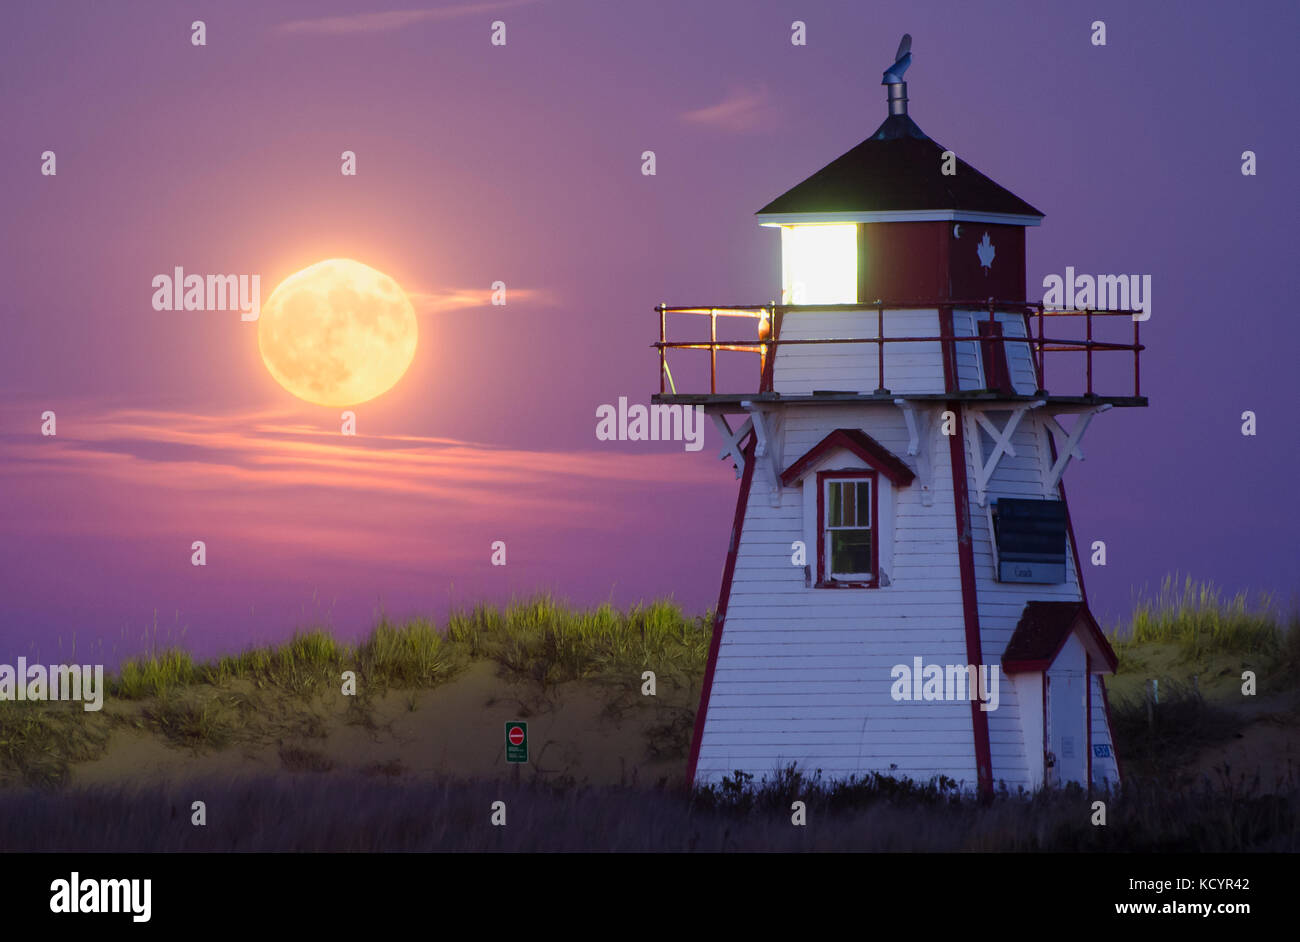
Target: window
{"points": [[847, 548], [819, 264]]}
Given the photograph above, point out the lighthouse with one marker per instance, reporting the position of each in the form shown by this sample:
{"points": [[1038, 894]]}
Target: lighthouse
{"points": [[902, 592]]}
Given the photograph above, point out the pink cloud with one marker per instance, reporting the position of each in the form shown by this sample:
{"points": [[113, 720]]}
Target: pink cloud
{"points": [[391, 19], [742, 109], [455, 299], [264, 478]]}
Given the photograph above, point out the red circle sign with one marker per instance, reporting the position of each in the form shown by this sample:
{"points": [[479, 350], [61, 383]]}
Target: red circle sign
{"points": [[516, 736]]}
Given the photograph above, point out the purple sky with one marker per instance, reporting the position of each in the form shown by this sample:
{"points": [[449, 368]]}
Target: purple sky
{"points": [[522, 163]]}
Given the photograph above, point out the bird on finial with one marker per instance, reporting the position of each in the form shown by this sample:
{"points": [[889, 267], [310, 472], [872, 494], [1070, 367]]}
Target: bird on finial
{"points": [[902, 59]]}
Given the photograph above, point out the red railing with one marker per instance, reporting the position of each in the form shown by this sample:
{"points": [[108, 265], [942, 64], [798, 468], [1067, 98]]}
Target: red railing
{"points": [[770, 316]]}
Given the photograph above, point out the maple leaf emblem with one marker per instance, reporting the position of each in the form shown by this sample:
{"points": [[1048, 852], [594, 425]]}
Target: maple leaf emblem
{"points": [[986, 251]]}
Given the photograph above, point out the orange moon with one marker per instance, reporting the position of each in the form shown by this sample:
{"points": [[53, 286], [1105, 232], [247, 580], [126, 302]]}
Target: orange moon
{"points": [[337, 333]]}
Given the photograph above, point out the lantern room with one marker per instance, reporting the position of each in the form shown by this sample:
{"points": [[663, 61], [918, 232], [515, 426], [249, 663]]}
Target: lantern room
{"points": [[902, 274], [899, 216]]}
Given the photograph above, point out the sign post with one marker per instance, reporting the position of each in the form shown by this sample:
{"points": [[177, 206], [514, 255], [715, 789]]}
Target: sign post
{"points": [[516, 741]]}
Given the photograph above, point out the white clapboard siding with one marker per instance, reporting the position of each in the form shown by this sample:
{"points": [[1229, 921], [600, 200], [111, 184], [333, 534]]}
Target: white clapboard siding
{"points": [[970, 369], [1105, 769], [800, 369], [1001, 604], [1020, 360], [970, 365], [803, 675]]}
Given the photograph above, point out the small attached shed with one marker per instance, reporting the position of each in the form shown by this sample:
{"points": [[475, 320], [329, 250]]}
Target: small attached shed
{"points": [[1055, 658]]}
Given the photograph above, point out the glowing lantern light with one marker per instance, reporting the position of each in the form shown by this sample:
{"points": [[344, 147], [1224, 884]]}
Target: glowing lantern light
{"points": [[819, 264]]}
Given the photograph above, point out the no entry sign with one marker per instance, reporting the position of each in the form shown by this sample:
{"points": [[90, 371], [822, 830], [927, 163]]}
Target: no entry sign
{"points": [[516, 741]]}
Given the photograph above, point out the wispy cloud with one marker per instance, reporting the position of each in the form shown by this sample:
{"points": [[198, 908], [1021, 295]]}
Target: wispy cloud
{"points": [[743, 108], [282, 481], [392, 19], [455, 299]]}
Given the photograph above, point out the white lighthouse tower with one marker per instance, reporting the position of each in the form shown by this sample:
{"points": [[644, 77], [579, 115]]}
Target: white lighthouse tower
{"points": [[902, 592]]}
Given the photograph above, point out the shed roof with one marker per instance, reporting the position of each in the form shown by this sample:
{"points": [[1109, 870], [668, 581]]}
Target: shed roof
{"points": [[1042, 631]]}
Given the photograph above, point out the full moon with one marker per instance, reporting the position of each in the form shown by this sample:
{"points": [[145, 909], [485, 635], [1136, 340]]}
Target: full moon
{"points": [[337, 333]]}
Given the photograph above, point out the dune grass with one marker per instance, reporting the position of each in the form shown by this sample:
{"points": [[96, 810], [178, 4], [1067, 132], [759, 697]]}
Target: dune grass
{"points": [[543, 642], [211, 723], [209, 705], [155, 676], [538, 639], [39, 741], [1199, 618], [1196, 642], [1192, 629]]}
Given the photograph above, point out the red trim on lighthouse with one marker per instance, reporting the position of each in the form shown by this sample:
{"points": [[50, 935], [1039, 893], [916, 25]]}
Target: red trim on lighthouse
{"points": [[966, 561], [720, 615], [970, 602], [856, 442], [993, 354]]}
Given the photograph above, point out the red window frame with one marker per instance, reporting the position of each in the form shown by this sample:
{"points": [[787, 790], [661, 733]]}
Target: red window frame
{"points": [[824, 581]]}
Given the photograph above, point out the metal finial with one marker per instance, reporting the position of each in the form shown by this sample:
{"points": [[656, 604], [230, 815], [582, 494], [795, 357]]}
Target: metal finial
{"points": [[893, 77]]}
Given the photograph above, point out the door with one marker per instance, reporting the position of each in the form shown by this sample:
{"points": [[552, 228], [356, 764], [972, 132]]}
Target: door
{"points": [[1067, 726]]}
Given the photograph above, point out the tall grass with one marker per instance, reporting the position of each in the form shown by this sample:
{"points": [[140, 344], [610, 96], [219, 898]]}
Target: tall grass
{"points": [[305, 664], [154, 676], [193, 705], [378, 812], [1198, 617], [1288, 655], [539, 639], [543, 641], [412, 655], [208, 723], [39, 741]]}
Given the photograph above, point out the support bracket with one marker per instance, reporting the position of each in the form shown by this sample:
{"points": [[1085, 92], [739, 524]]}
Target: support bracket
{"points": [[731, 441], [1067, 443], [1001, 441], [922, 424], [769, 434]]}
